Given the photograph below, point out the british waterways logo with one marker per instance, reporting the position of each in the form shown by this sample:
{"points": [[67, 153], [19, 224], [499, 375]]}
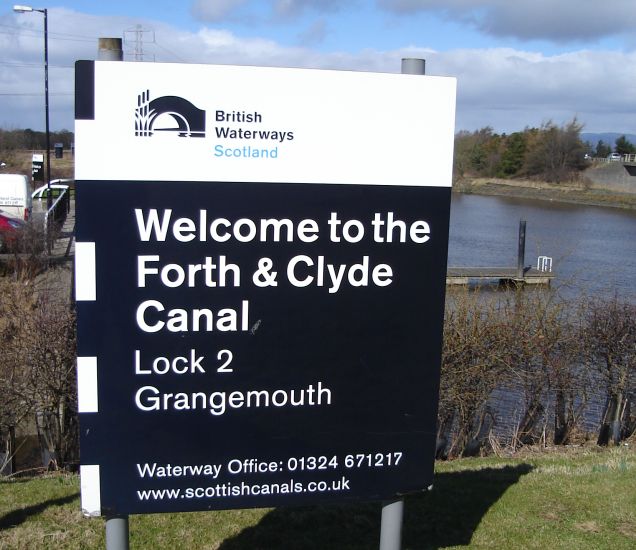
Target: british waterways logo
{"points": [[168, 114]]}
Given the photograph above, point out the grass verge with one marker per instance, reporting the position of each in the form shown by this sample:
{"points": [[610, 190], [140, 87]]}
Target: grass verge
{"points": [[584, 499]]}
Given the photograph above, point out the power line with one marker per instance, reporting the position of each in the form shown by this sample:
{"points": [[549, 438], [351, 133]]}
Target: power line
{"points": [[25, 94], [139, 39], [39, 35], [177, 57], [33, 65], [27, 27], [32, 32]]}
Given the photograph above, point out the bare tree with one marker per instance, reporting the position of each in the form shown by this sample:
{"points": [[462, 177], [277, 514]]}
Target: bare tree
{"points": [[472, 368], [37, 372], [524, 369], [569, 377], [610, 347], [527, 345], [52, 361], [16, 391], [556, 153], [544, 359]]}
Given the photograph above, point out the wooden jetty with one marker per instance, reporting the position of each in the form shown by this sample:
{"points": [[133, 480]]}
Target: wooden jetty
{"points": [[502, 275], [512, 276]]}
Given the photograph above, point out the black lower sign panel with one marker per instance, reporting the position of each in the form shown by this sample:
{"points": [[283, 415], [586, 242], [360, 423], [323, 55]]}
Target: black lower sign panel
{"points": [[262, 345]]}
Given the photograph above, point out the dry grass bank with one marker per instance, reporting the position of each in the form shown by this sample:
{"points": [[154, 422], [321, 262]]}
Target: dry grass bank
{"points": [[577, 193], [19, 162]]}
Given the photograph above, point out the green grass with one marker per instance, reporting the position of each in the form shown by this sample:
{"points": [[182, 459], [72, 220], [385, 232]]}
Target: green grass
{"points": [[583, 499]]}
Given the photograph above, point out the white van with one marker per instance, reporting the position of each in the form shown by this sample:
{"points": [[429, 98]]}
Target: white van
{"points": [[15, 196]]}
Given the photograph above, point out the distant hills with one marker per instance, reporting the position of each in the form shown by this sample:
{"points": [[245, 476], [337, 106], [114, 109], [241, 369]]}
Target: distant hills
{"points": [[609, 138]]}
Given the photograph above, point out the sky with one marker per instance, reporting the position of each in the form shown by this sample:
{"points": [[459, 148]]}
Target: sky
{"points": [[518, 63]]}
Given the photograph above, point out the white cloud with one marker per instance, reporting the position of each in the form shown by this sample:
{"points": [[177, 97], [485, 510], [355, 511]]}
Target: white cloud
{"points": [[505, 88], [314, 34], [214, 10], [21, 63], [556, 20], [295, 7], [509, 89]]}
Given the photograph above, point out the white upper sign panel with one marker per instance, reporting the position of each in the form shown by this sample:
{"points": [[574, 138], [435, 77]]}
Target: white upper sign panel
{"points": [[168, 122]]}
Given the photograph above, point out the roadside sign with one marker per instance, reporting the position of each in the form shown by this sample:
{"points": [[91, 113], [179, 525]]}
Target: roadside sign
{"points": [[37, 167], [260, 279]]}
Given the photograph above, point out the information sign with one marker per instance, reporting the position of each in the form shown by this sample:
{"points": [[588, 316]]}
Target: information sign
{"points": [[260, 274], [37, 167]]}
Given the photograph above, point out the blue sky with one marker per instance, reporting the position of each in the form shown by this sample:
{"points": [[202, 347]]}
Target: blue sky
{"points": [[518, 62]]}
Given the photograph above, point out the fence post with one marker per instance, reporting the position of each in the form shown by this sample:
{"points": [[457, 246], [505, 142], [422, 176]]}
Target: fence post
{"points": [[47, 231]]}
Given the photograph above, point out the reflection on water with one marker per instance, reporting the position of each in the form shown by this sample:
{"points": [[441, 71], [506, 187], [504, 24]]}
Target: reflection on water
{"points": [[593, 248]]}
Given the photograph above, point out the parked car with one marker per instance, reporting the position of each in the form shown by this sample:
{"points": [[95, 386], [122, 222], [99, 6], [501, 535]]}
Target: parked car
{"points": [[614, 156], [10, 229]]}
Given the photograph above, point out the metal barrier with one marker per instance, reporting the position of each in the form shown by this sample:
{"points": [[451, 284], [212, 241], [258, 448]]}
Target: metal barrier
{"points": [[624, 158], [544, 264], [55, 216]]}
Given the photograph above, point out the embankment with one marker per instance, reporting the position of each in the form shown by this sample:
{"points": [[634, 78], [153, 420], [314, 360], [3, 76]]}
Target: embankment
{"points": [[602, 185]]}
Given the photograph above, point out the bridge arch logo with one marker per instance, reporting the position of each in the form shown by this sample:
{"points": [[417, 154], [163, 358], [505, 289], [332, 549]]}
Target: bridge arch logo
{"points": [[168, 114]]}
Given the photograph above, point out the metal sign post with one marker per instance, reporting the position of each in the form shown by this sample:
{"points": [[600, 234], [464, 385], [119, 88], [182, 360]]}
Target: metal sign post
{"points": [[110, 49], [393, 510], [117, 533], [391, 527]]}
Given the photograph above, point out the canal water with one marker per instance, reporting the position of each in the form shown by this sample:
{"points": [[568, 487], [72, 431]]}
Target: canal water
{"points": [[593, 251], [593, 248]]}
